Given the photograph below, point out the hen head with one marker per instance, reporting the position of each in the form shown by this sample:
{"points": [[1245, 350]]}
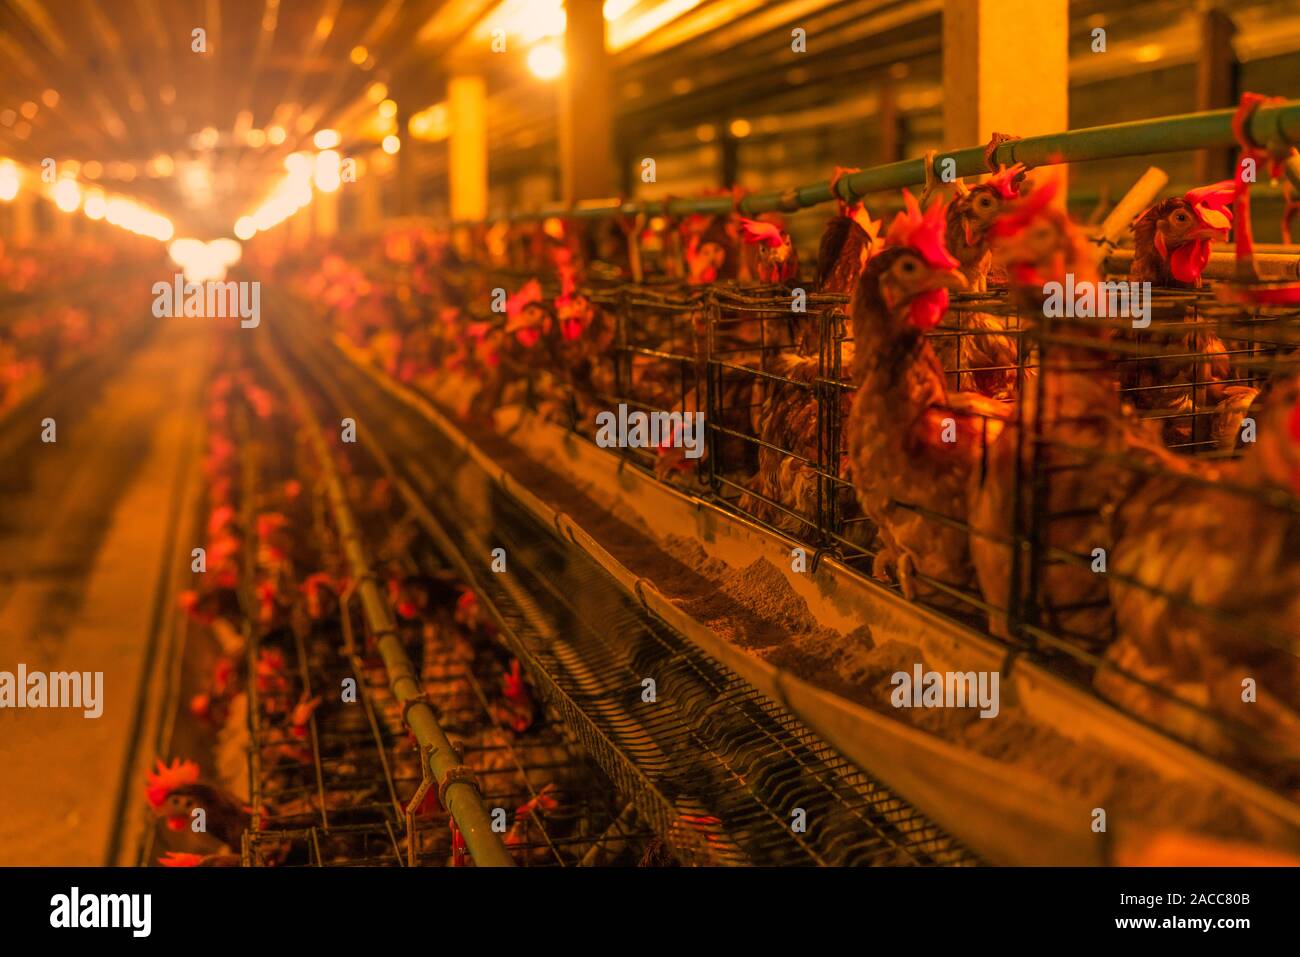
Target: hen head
{"points": [[1180, 229], [913, 274], [971, 216], [167, 789], [777, 260], [1037, 242], [528, 315]]}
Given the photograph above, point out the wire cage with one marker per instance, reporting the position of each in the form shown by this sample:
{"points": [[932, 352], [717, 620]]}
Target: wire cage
{"points": [[1175, 404]]}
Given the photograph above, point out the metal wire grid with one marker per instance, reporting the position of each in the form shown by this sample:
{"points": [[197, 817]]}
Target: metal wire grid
{"points": [[714, 767], [712, 764], [344, 806], [582, 822], [688, 335]]}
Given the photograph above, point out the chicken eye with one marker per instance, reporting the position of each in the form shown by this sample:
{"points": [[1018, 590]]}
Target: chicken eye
{"points": [[984, 202], [1181, 218], [908, 267]]}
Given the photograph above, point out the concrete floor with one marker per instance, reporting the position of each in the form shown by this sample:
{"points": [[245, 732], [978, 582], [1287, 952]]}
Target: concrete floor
{"points": [[87, 571]]}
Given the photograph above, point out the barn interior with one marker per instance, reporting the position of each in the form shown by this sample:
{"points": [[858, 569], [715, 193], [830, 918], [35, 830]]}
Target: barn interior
{"points": [[617, 433]]}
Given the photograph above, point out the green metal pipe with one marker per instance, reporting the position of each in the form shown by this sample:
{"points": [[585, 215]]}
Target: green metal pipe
{"points": [[1269, 125], [456, 787]]}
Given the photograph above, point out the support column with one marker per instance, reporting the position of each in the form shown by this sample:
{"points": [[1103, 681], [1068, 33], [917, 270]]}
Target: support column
{"points": [[300, 226], [468, 147], [889, 124], [407, 185], [1005, 69], [62, 224], [325, 208], [1216, 86], [369, 208], [22, 216], [586, 122]]}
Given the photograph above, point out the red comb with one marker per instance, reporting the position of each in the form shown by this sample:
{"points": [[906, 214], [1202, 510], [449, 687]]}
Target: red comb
{"points": [[1023, 212], [270, 522], [514, 682], [1006, 180], [756, 232], [545, 801], [316, 580], [1213, 203], [922, 234], [168, 778], [180, 859], [530, 292], [221, 516], [1293, 423]]}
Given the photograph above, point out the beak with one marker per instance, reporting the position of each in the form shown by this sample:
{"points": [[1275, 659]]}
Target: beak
{"points": [[952, 279], [1213, 234]]}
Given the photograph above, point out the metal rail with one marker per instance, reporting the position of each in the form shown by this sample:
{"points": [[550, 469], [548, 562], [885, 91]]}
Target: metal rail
{"points": [[692, 764], [456, 786], [1270, 125]]}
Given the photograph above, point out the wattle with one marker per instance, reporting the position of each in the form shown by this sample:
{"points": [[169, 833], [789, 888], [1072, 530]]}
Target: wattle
{"points": [[1187, 261], [928, 308]]}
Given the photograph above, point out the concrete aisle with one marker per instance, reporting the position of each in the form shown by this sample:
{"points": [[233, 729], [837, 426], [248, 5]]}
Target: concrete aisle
{"points": [[87, 557]]}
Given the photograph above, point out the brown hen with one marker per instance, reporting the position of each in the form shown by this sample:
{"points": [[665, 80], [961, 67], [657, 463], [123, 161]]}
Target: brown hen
{"points": [[1206, 587], [912, 444]]}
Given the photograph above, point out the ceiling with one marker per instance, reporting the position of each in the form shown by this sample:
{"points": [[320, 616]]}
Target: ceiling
{"points": [[115, 86]]}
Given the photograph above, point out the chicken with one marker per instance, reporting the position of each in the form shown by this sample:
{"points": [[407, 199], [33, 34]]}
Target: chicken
{"points": [[1171, 245], [174, 791], [1171, 240], [1198, 612], [777, 259], [912, 444], [969, 221], [515, 708], [515, 362], [1066, 489], [787, 422], [992, 354], [520, 839], [847, 243], [182, 859], [587, 338], [709, 250]]}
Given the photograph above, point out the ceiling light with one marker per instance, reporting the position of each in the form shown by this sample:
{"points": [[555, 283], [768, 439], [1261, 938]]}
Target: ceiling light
{"points": [[8, 180], [326, 139], [326, 175], [67, 195], [96, 205], [546, 61]]}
